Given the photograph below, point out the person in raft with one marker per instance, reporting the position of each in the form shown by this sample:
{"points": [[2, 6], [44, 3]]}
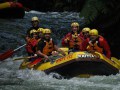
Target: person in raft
{"points": [[73, 39], [31, 45], [97, 43], [85, 33], [46, 47], [35, 25]]}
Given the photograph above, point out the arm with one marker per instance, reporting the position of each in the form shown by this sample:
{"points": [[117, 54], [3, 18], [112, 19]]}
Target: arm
{"points": [[84, 45], [59, 50], [29, 49], [81, 34], [106, 49], [65, 40], [41, 54], [40, 47]]}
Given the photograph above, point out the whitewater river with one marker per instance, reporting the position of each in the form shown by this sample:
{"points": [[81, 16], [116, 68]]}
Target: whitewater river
{"points": [[12, 33]]}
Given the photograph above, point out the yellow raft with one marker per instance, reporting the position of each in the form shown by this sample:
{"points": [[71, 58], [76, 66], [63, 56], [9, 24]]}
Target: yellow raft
{"points": [[11, 10], [79, 63]]}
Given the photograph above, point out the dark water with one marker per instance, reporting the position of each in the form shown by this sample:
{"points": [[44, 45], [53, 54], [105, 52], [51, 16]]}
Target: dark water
{"points": [[12, 33]]}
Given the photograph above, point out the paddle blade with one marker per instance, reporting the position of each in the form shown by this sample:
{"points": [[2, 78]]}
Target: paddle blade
{"points": [[35, 62], [116, 61], [6, 55]]}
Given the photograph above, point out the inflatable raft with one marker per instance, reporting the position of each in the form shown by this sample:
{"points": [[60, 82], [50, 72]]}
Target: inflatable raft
{"points": [[79, 64], [11, 10]]}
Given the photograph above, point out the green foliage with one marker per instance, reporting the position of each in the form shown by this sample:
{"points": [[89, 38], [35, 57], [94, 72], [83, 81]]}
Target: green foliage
{"points": [[108, 12], [92, 9]]}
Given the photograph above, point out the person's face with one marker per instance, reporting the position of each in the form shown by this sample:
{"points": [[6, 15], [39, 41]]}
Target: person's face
{"points": [[35, 35], [86, 34], [93, 37], [47, 36], [74, 28], [35, 23], [40, 34]]}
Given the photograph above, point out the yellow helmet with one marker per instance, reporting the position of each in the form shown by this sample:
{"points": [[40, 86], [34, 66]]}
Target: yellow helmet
{"points": [[35, 19], [93, 32], [47, 31], [75, 24], [86, 29], [40, 30], [33, 31]]}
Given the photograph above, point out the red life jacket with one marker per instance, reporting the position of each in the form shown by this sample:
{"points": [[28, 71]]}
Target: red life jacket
{"points": [[74, 40], [31, 45], [101, 47], [81, 34], [95, 47]]}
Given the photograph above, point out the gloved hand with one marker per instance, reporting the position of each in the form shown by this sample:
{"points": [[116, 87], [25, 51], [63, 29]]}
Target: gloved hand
{"points": [[66, 40], [91, 51], [46, 57], [54, 53], [35, 55]]}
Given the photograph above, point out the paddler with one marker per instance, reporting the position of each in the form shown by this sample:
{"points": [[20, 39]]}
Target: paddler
{"points": [[35, 25], [97, 43], [35, 37], [46, 47], [85, 33], [73, 39]]}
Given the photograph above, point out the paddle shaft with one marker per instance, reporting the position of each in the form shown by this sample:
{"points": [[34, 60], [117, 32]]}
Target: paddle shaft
{"points": [[9, 53], [21, 58], [19, 48]]}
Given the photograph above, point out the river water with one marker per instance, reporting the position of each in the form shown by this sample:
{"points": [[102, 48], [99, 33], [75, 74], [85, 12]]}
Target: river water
{"points": [[12, 32]]}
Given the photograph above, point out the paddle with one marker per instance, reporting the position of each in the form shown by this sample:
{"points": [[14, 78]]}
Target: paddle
{"points": [[9, 53], [21, 58], [116, 61]]}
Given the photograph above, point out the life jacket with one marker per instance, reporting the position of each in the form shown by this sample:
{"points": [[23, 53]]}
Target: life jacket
{"points": [[94, 47], [31, 45], [49, 47], [75, 41]]}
